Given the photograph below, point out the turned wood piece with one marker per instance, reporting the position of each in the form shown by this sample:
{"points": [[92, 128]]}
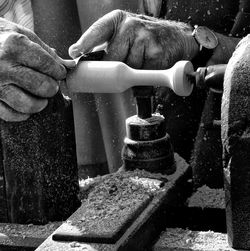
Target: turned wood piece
{"points": [[236, 145]]}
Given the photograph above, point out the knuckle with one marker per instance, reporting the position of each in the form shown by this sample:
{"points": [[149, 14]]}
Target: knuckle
{"points": [[117, 13], [4, 91], [62, 72], [132, 25], [34, 82], [11, 43], [142, 35], [155, 52], [130, 22], [15, 39], [27, 32], [58, 71]]}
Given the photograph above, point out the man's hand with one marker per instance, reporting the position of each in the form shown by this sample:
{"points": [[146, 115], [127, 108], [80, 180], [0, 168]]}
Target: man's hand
{"points": [[139, 41], [29, 71]]}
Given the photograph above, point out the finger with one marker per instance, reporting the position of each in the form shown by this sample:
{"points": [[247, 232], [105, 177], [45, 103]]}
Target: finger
{"points": [[118, 50], [153, 54], [10, 26], [20, 49], [148, 18], [21, 101], [98, 33], [33, 37], [135, 57], [30, 80], [8, 114]]}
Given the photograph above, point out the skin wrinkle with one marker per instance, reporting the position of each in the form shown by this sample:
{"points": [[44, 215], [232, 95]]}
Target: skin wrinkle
{"points": [[117, 20], [3, 90], [16, 99], [25, 77], [7, 113], [129, 50], [172, 45], [126, 30], [29, 71], [43, 61], [178, 36], [18, 48], [153, 50], [156, 35], [10, 27], [45, 86], [6, 50], [20, 101]]}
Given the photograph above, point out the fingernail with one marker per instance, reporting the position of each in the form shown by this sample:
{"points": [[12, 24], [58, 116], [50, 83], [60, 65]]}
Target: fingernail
{"points": [[74, 51]]}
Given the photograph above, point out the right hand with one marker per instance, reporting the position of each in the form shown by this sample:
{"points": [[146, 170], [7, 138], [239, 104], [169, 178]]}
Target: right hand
{"points": [[140, 41], [29, 71]]}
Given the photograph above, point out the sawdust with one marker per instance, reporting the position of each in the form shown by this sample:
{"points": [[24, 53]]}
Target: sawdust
{"points": [[114, 200], [29, 230], [180, 239], [87, 184], [206, 197]]}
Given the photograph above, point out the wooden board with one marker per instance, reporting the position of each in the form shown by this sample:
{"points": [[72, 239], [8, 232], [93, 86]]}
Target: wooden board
{"points": [[110, 207], [147, 226]]}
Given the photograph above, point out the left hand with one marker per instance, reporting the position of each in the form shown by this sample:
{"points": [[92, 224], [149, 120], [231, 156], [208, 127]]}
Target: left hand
{"points": [[30, 72]]}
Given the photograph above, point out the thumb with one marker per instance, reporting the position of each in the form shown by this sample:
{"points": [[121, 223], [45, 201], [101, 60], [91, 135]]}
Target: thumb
{"points": [[98, 33]]}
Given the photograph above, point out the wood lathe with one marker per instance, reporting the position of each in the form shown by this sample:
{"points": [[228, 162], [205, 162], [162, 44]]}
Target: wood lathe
{"points": [[147, 144]]}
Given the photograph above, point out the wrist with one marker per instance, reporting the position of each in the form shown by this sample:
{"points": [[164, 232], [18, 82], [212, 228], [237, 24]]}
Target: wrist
{"points": [[207, 42]]}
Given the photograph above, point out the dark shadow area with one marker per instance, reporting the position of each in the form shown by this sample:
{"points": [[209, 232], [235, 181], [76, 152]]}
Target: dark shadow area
{"points": [[197, 219]]}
